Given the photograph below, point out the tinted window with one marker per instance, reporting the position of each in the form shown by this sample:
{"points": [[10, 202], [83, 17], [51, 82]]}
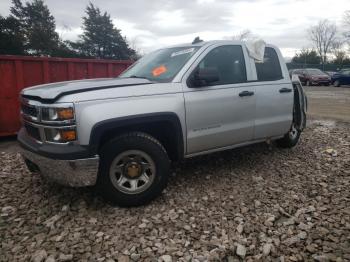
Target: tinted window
{"points": [[270, 69], [229, 61], [315, 72]]}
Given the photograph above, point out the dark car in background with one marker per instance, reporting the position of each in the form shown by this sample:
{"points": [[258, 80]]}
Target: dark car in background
{"points": [[341, 78], [331, 73], [312, 76]]}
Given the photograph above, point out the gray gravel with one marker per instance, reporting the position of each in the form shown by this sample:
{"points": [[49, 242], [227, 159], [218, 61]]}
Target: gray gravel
{"points": [[256, 203]]}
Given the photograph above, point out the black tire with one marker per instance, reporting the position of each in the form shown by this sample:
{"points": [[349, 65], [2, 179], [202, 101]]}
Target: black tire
{"points": [[290, 139], [336, 83], [308, 83], [113, 149]]}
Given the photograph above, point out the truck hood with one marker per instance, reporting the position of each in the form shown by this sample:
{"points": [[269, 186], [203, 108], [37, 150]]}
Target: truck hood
{"points": [[50, 93]]}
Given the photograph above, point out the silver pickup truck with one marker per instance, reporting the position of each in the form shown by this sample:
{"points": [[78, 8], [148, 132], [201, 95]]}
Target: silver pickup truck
{"points": [[120, 134]]}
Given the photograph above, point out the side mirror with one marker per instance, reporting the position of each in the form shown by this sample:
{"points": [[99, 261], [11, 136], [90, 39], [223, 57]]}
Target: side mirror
{"points": [[204, 76]]}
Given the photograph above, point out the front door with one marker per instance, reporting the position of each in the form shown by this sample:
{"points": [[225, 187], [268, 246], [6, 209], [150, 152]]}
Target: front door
{"points": [[222, 113]]}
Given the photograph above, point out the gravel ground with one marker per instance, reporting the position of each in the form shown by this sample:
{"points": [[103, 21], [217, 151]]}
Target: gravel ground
{"points": [[255, 203], [329, 102]]}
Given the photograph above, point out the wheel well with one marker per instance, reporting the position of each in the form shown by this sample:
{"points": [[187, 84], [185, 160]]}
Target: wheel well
{"points": [[166, 132]]}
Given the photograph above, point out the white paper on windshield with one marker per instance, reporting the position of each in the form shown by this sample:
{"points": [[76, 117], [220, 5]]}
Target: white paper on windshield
{"points": [[256, 50], [182, 52]]}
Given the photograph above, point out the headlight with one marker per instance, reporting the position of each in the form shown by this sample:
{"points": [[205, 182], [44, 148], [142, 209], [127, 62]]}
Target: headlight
{"points": [[58, 114], [61, 135]]}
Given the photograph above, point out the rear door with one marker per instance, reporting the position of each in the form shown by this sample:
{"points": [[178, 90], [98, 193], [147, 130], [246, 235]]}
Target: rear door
{"points": [[223, 113], [274, 96]]}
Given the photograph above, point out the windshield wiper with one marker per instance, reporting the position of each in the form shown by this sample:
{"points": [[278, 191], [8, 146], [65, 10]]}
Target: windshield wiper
{"points": [[141, 77]]}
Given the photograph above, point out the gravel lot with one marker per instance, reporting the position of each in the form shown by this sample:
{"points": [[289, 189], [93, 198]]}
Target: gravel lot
{"points": [[258, 202], [255, 203], [329, 102]]}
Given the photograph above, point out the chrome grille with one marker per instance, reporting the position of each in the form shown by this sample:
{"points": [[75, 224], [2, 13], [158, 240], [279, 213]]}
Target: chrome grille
{"points": [[29, 110], [33, 131]]}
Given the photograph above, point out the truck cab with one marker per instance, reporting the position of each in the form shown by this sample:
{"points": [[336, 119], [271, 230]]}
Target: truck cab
{"points": [[120, 134]]}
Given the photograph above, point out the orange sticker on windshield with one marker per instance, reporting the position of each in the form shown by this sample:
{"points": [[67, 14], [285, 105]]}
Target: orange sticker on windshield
{"points": [[159, 70]]}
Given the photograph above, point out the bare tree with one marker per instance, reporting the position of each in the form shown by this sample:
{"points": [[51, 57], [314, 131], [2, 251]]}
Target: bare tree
{"points": [[134, 44], [323, 36], [338, 51], [346, 22], [347, 18]]}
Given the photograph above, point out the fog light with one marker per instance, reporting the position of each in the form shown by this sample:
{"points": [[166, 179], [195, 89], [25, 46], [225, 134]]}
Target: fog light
{"points": [[63, 135]]}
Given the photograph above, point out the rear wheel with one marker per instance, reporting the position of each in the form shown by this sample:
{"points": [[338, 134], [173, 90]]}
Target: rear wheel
{"points": [[134, 169], [336, 83], [308, 83], [291, 138]]}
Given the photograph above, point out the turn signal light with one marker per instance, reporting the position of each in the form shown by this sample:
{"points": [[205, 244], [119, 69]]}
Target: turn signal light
{"points": [[57, 135], [68, 135]]}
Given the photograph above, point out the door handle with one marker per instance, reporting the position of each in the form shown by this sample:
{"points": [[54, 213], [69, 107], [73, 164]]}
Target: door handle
{"points": [[246, 93], [285, 90]]}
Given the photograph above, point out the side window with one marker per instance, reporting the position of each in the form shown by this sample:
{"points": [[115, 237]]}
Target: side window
{"points": [[270, 69], [229, 62]]}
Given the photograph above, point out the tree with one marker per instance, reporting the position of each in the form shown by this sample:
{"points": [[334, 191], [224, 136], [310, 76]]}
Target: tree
{"points": [[346, 21], [340, 58], [323, 35], [38, 26], [11, 38], [306, 56], [339, 53], [133, 43], [100, 38]]}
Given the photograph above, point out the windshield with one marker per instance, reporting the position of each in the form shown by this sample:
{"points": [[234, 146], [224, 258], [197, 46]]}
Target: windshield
{"points": [[161, 65], [315, 72]]}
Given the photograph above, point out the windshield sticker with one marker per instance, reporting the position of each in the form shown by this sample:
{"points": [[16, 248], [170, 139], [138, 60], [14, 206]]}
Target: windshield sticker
{"points": [[182, 52], [159, 70]]}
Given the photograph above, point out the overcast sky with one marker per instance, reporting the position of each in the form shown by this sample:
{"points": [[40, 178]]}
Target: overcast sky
{"points": [[152, 24]]}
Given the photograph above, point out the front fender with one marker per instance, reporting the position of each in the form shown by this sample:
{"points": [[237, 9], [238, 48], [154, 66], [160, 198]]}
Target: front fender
{"points": [[106, 126]]}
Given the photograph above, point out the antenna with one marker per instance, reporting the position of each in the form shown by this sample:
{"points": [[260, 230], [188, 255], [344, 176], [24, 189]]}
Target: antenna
{"points": [[197, 40]]}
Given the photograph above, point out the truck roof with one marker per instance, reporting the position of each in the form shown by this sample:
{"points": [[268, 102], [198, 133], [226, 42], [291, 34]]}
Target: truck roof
{"points": [[211, 42]]}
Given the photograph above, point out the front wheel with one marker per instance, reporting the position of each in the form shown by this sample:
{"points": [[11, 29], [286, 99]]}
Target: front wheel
{"points": [[134, 169], [290, 139]]}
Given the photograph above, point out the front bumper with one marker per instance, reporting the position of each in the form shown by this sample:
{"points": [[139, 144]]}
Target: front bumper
{"points": [[320, 82], [66, 165], [75, 173]]}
